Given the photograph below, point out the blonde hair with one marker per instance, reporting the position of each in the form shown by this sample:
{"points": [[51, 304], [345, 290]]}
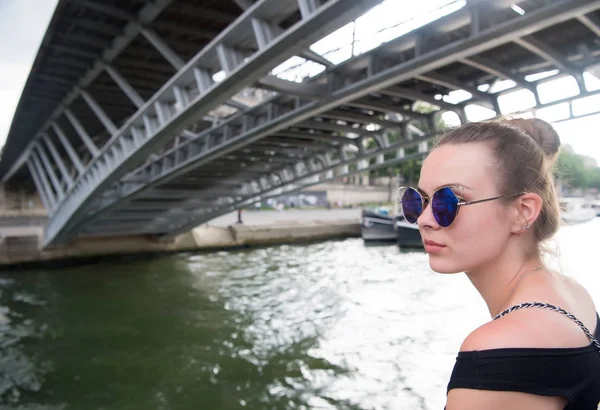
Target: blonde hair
{"points": [[525, 150]]}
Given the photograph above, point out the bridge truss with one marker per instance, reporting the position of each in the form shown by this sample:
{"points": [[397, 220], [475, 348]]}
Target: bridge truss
{"points": [[176, 163]]}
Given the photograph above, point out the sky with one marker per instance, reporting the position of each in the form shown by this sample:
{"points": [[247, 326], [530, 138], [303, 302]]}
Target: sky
{"points": [[22, 27], [23, 24]]}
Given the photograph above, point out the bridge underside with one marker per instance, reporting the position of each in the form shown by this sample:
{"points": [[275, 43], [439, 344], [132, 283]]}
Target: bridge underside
{"points": [[194, 148]]}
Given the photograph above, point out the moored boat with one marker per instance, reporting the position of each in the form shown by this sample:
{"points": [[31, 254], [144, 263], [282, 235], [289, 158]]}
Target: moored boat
{"points": [[596, 207], [377, 226], [407, 234]]}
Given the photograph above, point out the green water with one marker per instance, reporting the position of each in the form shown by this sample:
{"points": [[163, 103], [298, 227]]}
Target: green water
{"points": [[334, 325]]}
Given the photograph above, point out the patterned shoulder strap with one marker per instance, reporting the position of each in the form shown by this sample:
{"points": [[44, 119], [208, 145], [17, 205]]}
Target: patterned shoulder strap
{"points": [[555, 309]]}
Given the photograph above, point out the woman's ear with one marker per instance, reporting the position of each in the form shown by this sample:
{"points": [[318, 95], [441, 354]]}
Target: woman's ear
{"points": [[528, 208]]}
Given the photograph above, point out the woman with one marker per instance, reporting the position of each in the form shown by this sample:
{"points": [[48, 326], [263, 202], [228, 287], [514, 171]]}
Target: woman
{"points": [[485, 203]]}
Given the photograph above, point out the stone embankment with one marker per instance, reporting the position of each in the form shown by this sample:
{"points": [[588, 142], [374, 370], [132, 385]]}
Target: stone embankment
{"points": [[21, 242]]}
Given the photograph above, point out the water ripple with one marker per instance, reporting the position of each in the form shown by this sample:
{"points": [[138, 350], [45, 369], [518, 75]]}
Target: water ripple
{"points": [[332, 325]]}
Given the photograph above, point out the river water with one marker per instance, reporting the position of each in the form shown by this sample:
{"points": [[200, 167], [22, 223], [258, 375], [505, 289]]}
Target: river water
{"points": [[332, 325]]}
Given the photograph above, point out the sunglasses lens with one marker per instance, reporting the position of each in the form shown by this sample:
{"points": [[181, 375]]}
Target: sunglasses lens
{"points": [[412, 205], [444, 205]]}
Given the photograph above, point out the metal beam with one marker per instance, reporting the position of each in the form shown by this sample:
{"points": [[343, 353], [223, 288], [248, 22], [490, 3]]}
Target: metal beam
{"points": [[83, 41], [95, 26], [123, 228], [281, 142], [275, 31], [55, 81], [102, 116], [311, 91], [127, 89], [296, 184], [236, 104], [306, 179], [455, 84], [592, 26], [58, 160], [178, 195], [48, 167], [186, 29], [318, 137], [68, 62], [335, 127], [163, 48], [43, 101], [75, 52], [383, 106], [133, 143], [112, 221], [300, 182], [358, 87], [195, 153], [547, 53], [107, 9], [85, 137], [45, 185], [355, 117], [68, 148], [403, 92], [137, 63], [310, 175], [497, 70], [38, 184], [176, 61], [146, 15]]}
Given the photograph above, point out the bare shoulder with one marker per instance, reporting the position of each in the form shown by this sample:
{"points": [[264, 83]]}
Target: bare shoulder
{"points": [[538, 328], [501, 333], [529, 328], [578, 298]]}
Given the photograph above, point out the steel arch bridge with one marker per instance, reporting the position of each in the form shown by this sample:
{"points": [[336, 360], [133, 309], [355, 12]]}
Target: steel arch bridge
{"points": [[152, 117]]}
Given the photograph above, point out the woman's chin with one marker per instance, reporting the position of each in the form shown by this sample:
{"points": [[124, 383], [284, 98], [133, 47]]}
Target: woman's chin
{"points": [[441, 265]]}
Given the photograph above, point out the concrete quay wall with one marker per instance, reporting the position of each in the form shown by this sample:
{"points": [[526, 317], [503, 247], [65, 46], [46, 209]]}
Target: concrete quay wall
{"points": [[20, 202], [24, 246], [283, 232]]}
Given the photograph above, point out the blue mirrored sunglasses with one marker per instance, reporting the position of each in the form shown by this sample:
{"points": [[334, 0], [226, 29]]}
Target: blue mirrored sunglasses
{"points": [[444, 204]]}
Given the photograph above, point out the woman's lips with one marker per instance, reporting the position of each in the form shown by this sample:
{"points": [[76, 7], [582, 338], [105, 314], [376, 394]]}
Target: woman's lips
{"points": [[433, 247]]}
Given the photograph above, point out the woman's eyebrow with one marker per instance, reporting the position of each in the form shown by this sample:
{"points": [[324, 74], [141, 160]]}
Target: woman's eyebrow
{"points": [[451, 184]]}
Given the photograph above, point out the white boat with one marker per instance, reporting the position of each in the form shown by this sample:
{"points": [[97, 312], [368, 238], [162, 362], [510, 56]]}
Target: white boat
{"points": [[576, 210]]}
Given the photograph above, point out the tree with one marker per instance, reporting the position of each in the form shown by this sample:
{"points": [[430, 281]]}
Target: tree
{"points": [[410, 169], [570, 169], [593, 178]]}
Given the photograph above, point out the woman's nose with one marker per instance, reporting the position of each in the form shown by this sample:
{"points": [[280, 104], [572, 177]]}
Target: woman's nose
{"points": [[426, 219]]}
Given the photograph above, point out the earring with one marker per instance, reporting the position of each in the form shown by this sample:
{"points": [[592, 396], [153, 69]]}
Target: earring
{"points": [[525, 226]]}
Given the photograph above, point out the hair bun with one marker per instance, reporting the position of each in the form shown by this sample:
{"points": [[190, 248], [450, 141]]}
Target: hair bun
{"points": [[541, 132]]}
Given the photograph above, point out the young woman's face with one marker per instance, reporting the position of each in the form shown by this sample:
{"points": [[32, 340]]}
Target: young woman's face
{"points": [[478, 234]]}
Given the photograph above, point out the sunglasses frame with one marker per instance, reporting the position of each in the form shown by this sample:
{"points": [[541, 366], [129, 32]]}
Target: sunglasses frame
{"points": [[426, 200]]}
